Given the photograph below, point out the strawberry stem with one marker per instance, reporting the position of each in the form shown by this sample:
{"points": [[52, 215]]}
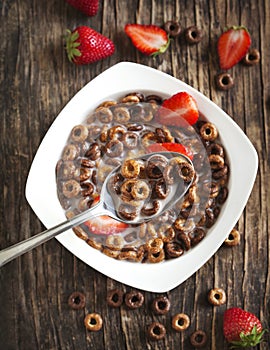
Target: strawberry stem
{"points": [[72, 45], [248, 340], [163, 48]]}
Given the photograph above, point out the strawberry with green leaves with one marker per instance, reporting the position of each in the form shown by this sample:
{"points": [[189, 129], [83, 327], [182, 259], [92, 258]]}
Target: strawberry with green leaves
{"points": [[84, 45], [88, 7], [183, 108], [241, 328], [232, 46], [149, 39]]}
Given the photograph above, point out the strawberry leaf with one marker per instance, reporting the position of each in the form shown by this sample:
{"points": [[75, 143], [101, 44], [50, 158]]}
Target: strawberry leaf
{"points": [[248, 340]]}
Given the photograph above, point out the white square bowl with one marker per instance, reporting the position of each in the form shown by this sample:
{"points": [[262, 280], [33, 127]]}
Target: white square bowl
{"points": [[122, 78]]}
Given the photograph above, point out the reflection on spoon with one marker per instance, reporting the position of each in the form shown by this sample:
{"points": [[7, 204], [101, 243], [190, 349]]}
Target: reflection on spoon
{"points": [[111, 205]]}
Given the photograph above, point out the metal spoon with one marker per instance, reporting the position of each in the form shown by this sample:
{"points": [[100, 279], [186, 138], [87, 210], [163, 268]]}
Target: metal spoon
{"points": [[105, 206]]}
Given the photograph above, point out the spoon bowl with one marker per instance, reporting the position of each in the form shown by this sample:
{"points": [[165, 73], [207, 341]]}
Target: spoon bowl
{"points": [[106, 206]]}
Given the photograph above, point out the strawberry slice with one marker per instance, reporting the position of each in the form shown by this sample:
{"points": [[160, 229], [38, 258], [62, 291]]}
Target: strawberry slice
{"points": [[232, 46], [149, 39], [184, 109], [170, 147], [105, 225]]}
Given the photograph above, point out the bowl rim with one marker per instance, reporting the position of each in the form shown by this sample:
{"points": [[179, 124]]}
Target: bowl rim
{"points": [[129, 77]]}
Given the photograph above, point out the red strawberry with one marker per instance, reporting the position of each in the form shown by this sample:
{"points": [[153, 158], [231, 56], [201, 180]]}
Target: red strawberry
{"points": [[242, 328], [232, 46], [88, 7], [105, 225], [183, 106], [84, 45], [170, 147], [149, 39]]}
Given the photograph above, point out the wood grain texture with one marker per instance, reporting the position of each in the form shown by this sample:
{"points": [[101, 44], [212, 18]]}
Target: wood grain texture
{"points": [[36, 82]]}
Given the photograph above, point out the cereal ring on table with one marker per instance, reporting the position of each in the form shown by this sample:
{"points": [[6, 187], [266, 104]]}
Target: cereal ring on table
{"points": [[70, 152], [131, 168], [114, 148], [93, 322], [116, 132], [217, 296], [198, 339], [115, 297], [76, 300], [148, 138], [208, 132], [154, 245], [151, 209], [156, 257], [127, 211], [114, 242], [140, 190], [121, 115], [104, 115], [173, 28], [71, 188], [161, 305], [233, 239], [180, 322], [161, 188], [156, 331], [79, 133], [252, 57], [216, 161], [193, 35], [224, 81], [173, 249], [134, 299], [130, 140]]}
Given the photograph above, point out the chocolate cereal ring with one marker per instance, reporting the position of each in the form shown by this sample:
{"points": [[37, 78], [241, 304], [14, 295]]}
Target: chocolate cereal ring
{"points": [[127, 211], [114, 242], [115, 297], [161, 305], [154, 245], [140, 190], [79, 133], [116, 132], [208, 132], [198, 339], [156, 331], [76, 300], [180, 322], [71, 188], [152, 209], [121, 115], [131, 168], [217, 296], [134, 300], [114, 148], [104, 114], [70, 152], [173, 249], [216, 161], [233, 239], [93, 322], [130, 140], [156, 257]]}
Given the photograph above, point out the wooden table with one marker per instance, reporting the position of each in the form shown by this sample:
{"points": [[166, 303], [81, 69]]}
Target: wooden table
{"points": [[36, 82]]}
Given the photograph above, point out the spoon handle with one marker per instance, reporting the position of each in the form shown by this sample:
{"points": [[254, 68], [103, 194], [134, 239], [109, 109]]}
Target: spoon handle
{"points": [[22, 247]]}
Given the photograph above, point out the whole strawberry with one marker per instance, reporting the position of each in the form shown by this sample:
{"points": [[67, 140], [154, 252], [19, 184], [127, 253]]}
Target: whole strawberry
{"points": [[241, 328], [88, 7], [84, 45]]}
